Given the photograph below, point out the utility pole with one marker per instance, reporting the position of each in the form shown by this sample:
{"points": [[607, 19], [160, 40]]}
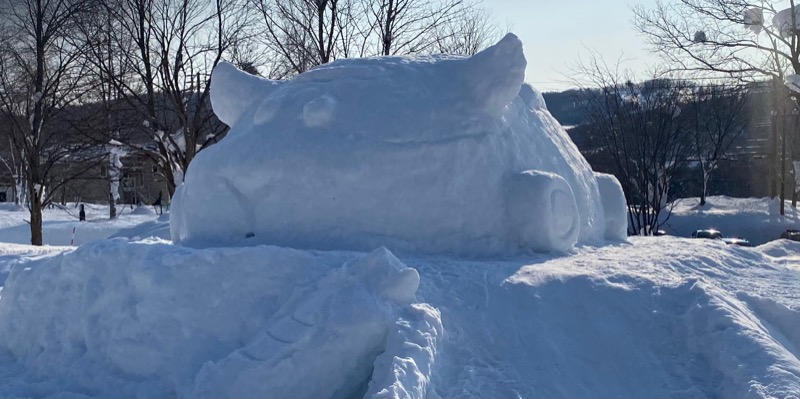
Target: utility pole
{"points": [[783, 169], [773, 151], [772, 158]]}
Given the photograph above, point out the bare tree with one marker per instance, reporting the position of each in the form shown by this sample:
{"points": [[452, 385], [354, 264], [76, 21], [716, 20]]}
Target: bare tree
{"points": [[637, 128], [304, 33], [163, 52], [712, 36], [718, 119], [41, 73], [13, 167], [407, 26], [301, 34], [740, 39], [467, 33]]}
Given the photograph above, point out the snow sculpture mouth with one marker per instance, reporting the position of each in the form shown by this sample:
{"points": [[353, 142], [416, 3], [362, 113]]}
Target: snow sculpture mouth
{"points": [[416, 154]]}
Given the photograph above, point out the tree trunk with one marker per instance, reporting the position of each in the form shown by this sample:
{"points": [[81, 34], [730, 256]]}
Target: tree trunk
{"points": [[36, 221], [112, 206], [705, 188]]}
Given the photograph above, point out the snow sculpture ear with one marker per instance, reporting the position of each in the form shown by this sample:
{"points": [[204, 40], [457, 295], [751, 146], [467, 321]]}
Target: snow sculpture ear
{"points": [[497, 73], [234, 91], [532, 98]]}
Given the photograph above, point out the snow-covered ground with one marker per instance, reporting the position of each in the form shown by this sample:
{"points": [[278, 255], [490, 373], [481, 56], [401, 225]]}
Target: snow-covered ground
{"points": [[756, 219], [659, 317], [59, 222]]}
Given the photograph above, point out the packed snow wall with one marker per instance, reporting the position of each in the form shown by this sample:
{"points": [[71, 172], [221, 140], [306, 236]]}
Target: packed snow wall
{"points": [[220, 322], [436, 154]]}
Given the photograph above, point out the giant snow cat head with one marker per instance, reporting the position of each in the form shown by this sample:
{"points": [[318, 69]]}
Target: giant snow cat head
{"points": [[437, 154]]}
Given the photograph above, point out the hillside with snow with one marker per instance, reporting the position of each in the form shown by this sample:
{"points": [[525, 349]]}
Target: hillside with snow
{"points": [[446, 241]]}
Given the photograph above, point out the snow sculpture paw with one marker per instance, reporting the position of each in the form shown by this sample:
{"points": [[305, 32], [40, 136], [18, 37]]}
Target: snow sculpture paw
{"points": [[324, 340], [614, 209], [404, 370], [542, 212]]}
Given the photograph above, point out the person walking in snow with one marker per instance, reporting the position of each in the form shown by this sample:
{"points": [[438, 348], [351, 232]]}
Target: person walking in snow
{"points": [[158, 203]]}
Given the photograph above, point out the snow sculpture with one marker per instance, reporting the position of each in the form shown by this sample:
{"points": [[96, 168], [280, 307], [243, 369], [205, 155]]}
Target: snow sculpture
{"points": [[754, 19], [436, 154], [782, 21], [335, 333], [259, 322], [792, 82]]}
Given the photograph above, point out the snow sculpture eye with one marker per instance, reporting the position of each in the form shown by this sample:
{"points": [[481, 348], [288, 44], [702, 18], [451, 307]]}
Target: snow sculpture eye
{"points": [[319, 111], [266, 111]]}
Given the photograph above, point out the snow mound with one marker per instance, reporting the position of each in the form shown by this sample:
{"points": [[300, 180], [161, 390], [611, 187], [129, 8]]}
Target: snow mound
{"points": [[438, 154], [158, 228], [655, 317], [250, 322], [781, 248], [143, 210], [663, 317]]}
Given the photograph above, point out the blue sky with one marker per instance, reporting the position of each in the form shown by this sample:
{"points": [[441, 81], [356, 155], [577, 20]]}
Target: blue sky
{"points": [[557, 32]]}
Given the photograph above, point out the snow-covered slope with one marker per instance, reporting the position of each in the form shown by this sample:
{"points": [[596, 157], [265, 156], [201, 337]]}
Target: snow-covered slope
{"points": [[662, 317]]}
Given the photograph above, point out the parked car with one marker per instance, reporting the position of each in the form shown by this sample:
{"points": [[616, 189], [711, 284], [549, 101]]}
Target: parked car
{"points": [[708, 233], [737, 241], [790, 234]]}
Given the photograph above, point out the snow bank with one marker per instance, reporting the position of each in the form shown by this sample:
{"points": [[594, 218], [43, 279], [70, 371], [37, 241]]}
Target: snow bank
{"points": [[755, 219], [418, 154], [663, 317], [781, 248], [656, 317], [261, 321]]}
